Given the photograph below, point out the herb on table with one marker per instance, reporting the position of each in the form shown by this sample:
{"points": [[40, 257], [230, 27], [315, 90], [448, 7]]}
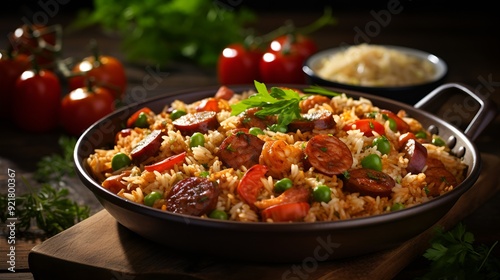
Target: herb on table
{"points": [[51, 209], [55, 166], [454, 255]]}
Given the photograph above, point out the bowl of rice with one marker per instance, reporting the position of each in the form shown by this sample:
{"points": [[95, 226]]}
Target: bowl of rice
{"points": [[395, 72], [207, 182]]}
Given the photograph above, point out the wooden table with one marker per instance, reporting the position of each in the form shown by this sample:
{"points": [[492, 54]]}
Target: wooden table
{"points": [[467, 40]]}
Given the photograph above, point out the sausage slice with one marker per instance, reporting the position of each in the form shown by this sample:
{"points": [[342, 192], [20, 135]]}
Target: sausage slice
{"points": [[197, 122], [148, 147], [316, 120], [240, 149], [416, 154], [369, 182], [328, 154], [193, 196]]}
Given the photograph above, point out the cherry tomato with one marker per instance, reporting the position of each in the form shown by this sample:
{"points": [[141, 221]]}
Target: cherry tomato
{"points": [[84, 106], [250, 184], [43, 42], [37, 100], [401, 125], [11, 68], [299, 44], [281, 67], [106, 71], [167, 163], [286, 212], [238, 64], [367, 126]]}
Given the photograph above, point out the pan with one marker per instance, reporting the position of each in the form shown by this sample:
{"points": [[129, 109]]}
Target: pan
{"points": [[293, 242]]}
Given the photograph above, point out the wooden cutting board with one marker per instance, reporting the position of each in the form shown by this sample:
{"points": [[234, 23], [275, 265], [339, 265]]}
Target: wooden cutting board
{"points": [[100, 248]]}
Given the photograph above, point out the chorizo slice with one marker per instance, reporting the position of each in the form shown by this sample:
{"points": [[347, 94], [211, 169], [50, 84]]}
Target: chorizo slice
{"points": [[317, 120], [196, 122], [437, 178], [115, 183], [147, 147], [249, 119], [369, 182], [194, 196], [240, 149], [328, 154]]}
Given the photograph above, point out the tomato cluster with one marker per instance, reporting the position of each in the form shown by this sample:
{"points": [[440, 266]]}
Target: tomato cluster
{"points": [[38, 97], [280, 61]]}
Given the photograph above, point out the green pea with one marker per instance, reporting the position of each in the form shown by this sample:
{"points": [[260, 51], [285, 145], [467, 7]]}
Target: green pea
{"points": [[397, 206], [197, 139], [372, 161], [218, 214], [438, 141], [255, 131], [142, 120], [150, 199], [383, 145], [322, 193], [392, 124], [177, 114], [421, 135], [283, 185], [204, 174], [119, 161]]}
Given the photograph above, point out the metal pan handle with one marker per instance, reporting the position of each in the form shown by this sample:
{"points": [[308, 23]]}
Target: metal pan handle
{"points": [[459, 105]]}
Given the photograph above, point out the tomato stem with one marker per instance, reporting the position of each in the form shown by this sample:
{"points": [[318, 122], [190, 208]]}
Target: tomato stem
{"points": [[324, 20], [95, 52]]}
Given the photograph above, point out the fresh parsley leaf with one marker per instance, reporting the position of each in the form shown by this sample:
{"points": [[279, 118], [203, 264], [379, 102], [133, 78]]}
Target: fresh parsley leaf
{"points": [[54, 167], [284, 103], [454, 255]]}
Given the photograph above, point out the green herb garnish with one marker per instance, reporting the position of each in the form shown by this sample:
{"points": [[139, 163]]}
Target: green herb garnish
{"points": [[277, 101], [454, 255]]}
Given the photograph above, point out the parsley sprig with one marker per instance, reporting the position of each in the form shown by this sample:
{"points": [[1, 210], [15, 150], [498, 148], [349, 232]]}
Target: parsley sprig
{"points": [[278, 101], [454, 255], [49, 207]]}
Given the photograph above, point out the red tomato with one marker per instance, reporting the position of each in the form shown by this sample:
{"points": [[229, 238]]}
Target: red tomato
{"points": [[287, 212], [402, 126], [208, 104], [39, 40], [281, 67], [367, 126], [250, 184], [403, 138], [299, 44], [37, 100], [83, 106], [167, 163], [11, 68], [106, 71], [238, 65]]}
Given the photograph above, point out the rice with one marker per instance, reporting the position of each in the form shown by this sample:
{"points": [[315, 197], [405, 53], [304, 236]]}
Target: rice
{"points": [[372, 65], [409, 190]]}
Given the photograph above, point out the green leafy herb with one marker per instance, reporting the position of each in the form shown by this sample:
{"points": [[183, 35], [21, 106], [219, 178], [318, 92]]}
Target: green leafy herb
{"points": [[51, 209], [278, 101], [54, 167], [321, 90], [281, 102], [160, 31], [454, 255]]}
